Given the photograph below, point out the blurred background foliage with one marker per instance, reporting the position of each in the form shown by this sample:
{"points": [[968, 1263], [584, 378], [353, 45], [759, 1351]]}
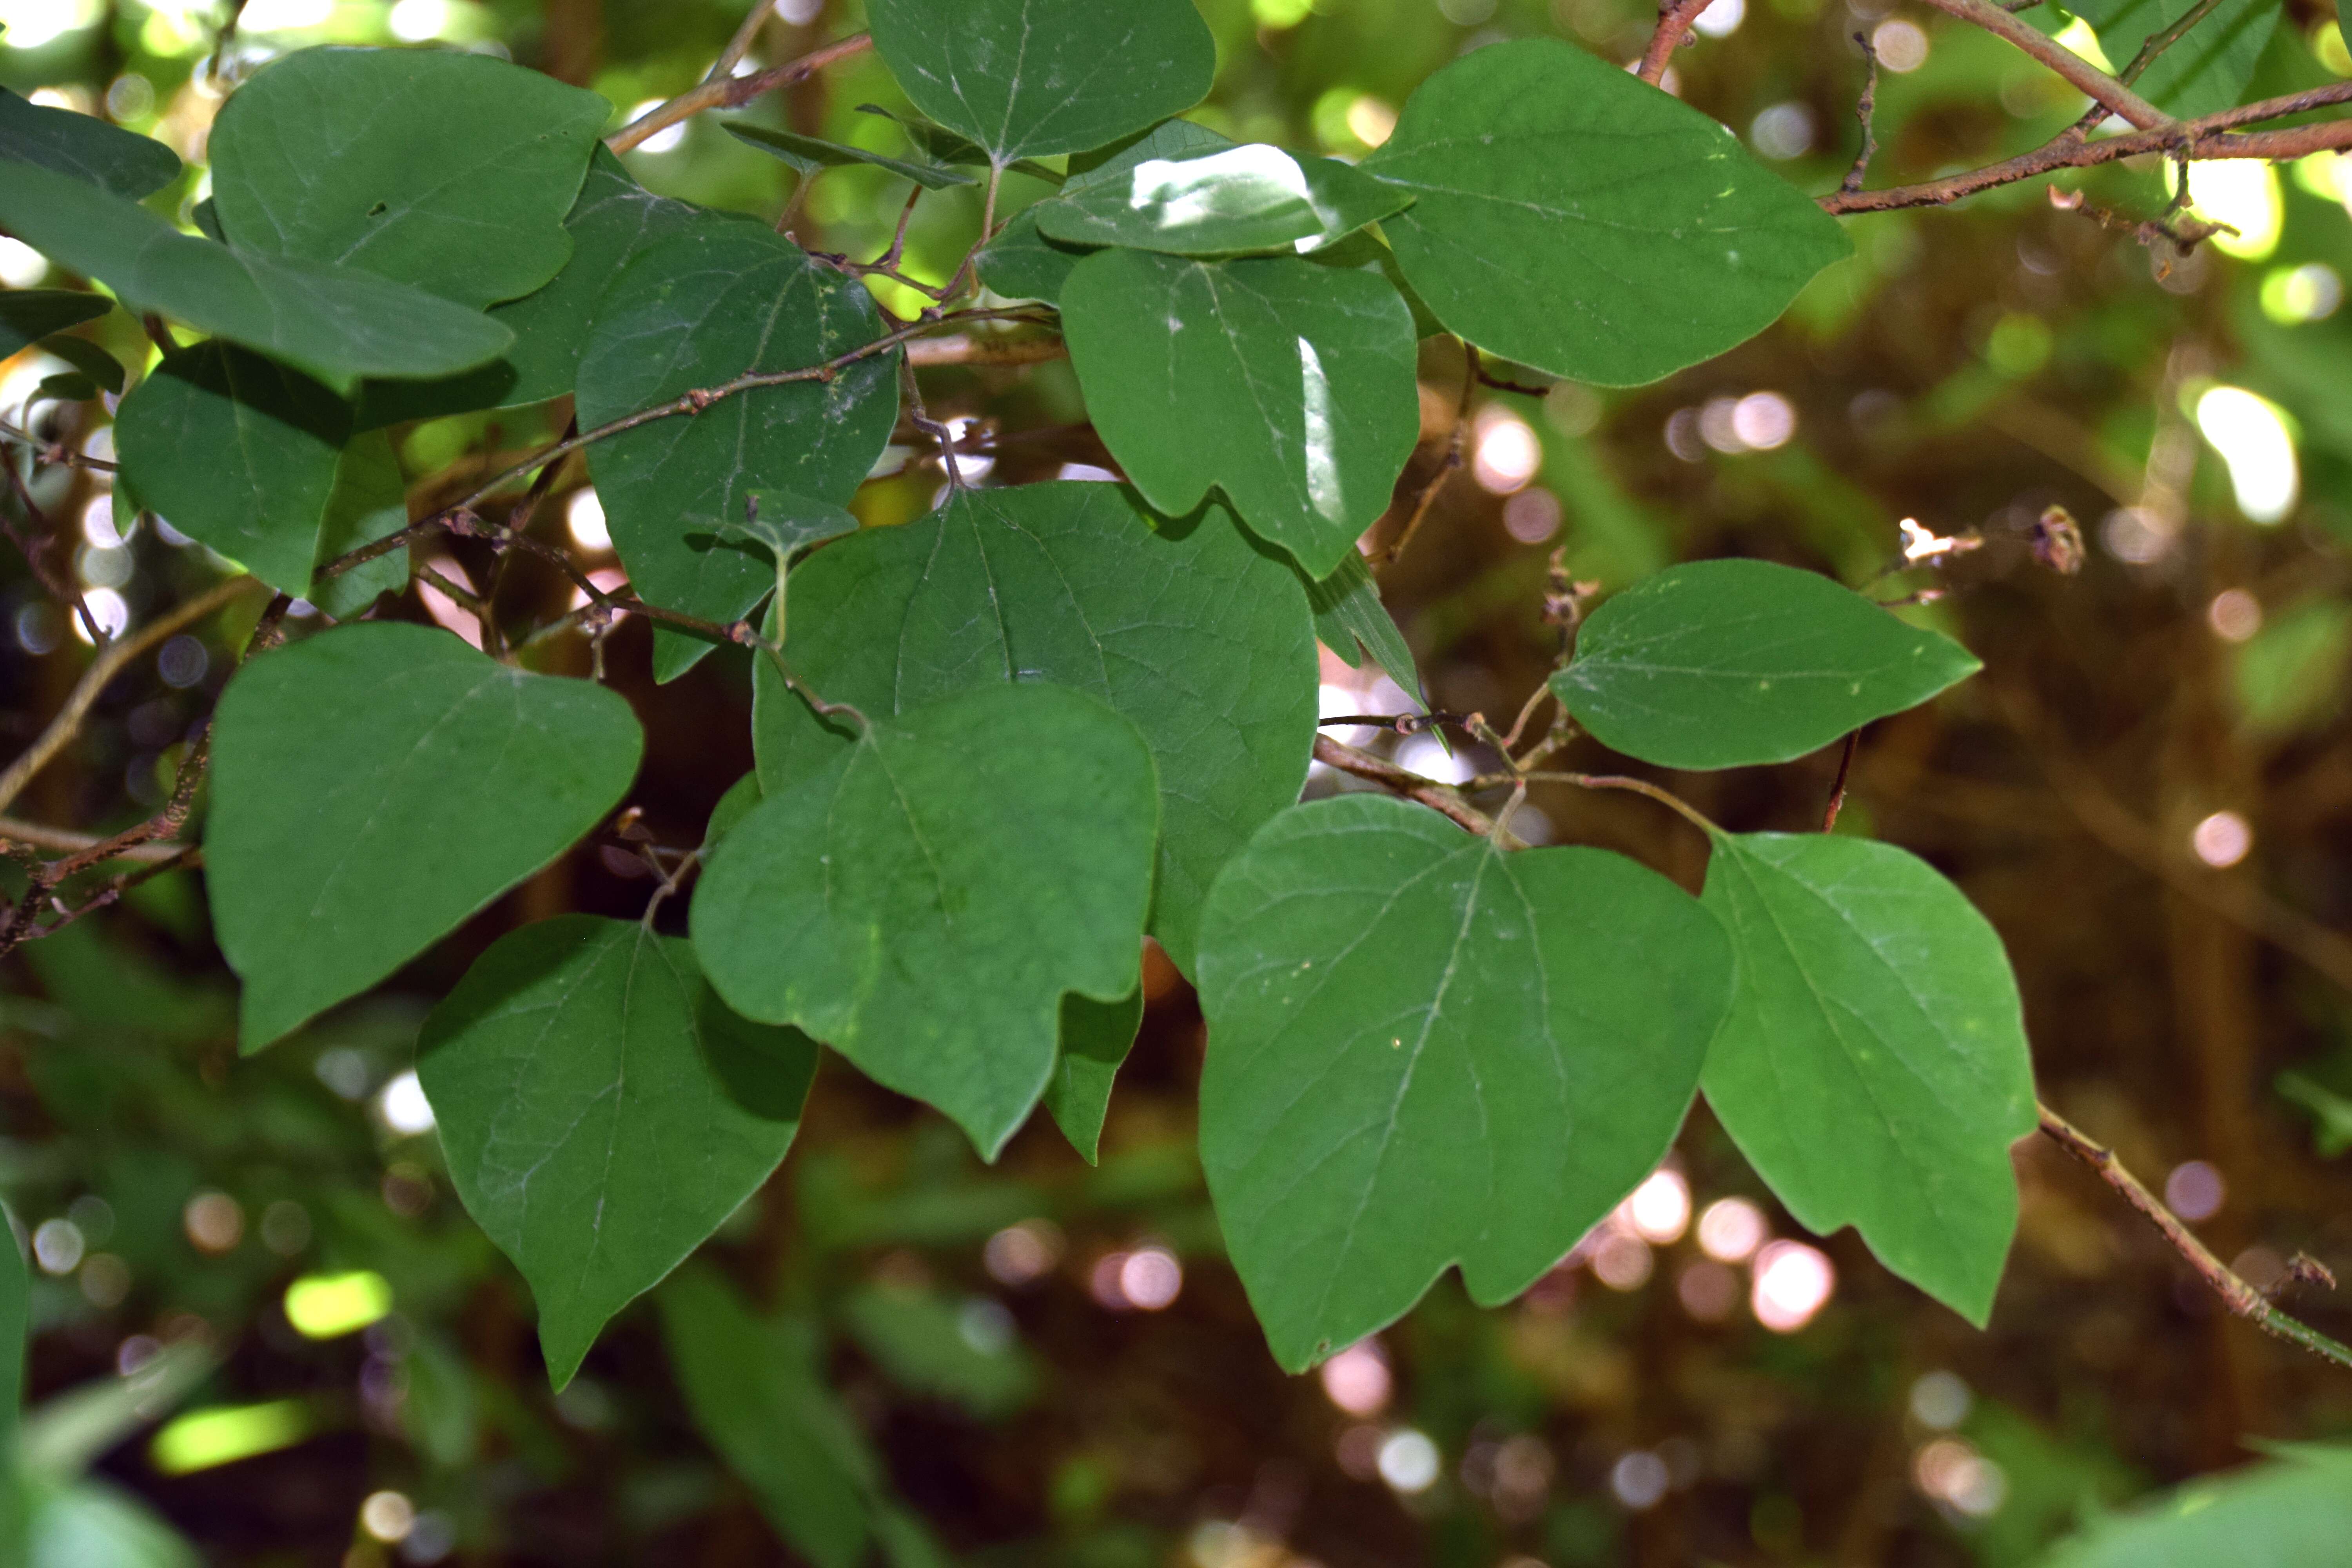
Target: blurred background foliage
{"points": [[264, 1333]]}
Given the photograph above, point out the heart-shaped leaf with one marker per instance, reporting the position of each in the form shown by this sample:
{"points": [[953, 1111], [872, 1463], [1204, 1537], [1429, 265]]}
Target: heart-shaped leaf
{"points": [[695, 311], [1873, 1069], [448, 171], [1723, 664], [923, 904], [602, 1112], [84, 148], [374, 786], [1423, 1052], [336, 323], [1571, 217], [1026, 77], [1290, 386], [1217, 200], [1187, 627]]}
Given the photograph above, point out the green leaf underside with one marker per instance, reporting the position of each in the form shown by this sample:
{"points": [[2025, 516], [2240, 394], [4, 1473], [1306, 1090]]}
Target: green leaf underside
{"points": [[1021, 263], [602, 1112], [447, 171], [756, 1388], [237, 451], [1218, 200], [1726, 664], [1577, 220], [336, 323], [1201, 639], [2293, 1512], [1028, 77], [28, 315], [2201, 73], [1351, 621], [1425, 1052], [1096, 1038], [808, 153], [84, 148], [1289, 386], [368, 500], [1873, 1069], [784, 524], [922, 904], [697, 311], [375, 786]]}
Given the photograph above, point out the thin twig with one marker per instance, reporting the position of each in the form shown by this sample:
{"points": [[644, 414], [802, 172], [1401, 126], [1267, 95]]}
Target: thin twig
{"points": [[110, 662], [1675, 19], [1446, 469], [41, 836], [740, 44], [2096, 83], [2236, 1294], [2158, 42], [1862, 110], [36, 553], [1837, 787], [56, 452], [1445, 799], [1664, 797], [734, 91]]}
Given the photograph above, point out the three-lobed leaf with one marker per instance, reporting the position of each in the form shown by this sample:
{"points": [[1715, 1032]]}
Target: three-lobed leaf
{"points": [[1218, 200], [376, 784], [923, 903], [602, 1112], [1874, 1067], [1723, 664], [336, 323], [695, 311], [84, 147], [1188, 628], [1287, 385], [447, 171], [1425, 1052], [1027, 78], [1573, 219]]}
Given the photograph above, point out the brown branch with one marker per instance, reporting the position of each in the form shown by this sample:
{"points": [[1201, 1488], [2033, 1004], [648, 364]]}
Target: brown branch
{"points": [[56, 451], [1664, 797], [1862, 109], [22, 924], [1675, 19], [110, 662], [1443, 799], [36, 551], [2193, 140], [1837, 788], [2236, 1294], [2096, 83], [1446, 469], [2160, 42], [41, 836], [734, 91]]}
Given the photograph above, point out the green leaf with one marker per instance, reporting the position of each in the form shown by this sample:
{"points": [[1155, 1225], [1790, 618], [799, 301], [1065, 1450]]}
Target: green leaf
{"points": [[1577, 220], [931, 1345], [756, 1388], [2204, 71], [1187, 627], [2293, 1513], [68, 386], [922, 904], [732, 807], [1723, 664], [602, 1112], [1216, 202], [1289, 385], [784, 524], [1351, 621], [1026, 77], [695, 311], [28, 315], [1022, 263], [93, 363], [336, 323], [941, 145], [1096, 1038], [15, 1320], [84, 148], [1873, 1069], [237, 451], [368, 500], [807, 154], [450, 171], [1424, 1052], [375, 786]]}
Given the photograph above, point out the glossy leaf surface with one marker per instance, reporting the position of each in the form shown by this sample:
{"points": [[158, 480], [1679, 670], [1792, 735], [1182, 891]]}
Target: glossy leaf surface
{"points": [[1026, 77], [922, 903], [336, 323], [448, 171], [603, 1111], [84, 147], [693, 313], [1287, 385], [1222, 200], [1022, 263], [1722, 664], [1193, 632], [374, 786], [1575, 219], [1873, 1069], [1425, 1052]]}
